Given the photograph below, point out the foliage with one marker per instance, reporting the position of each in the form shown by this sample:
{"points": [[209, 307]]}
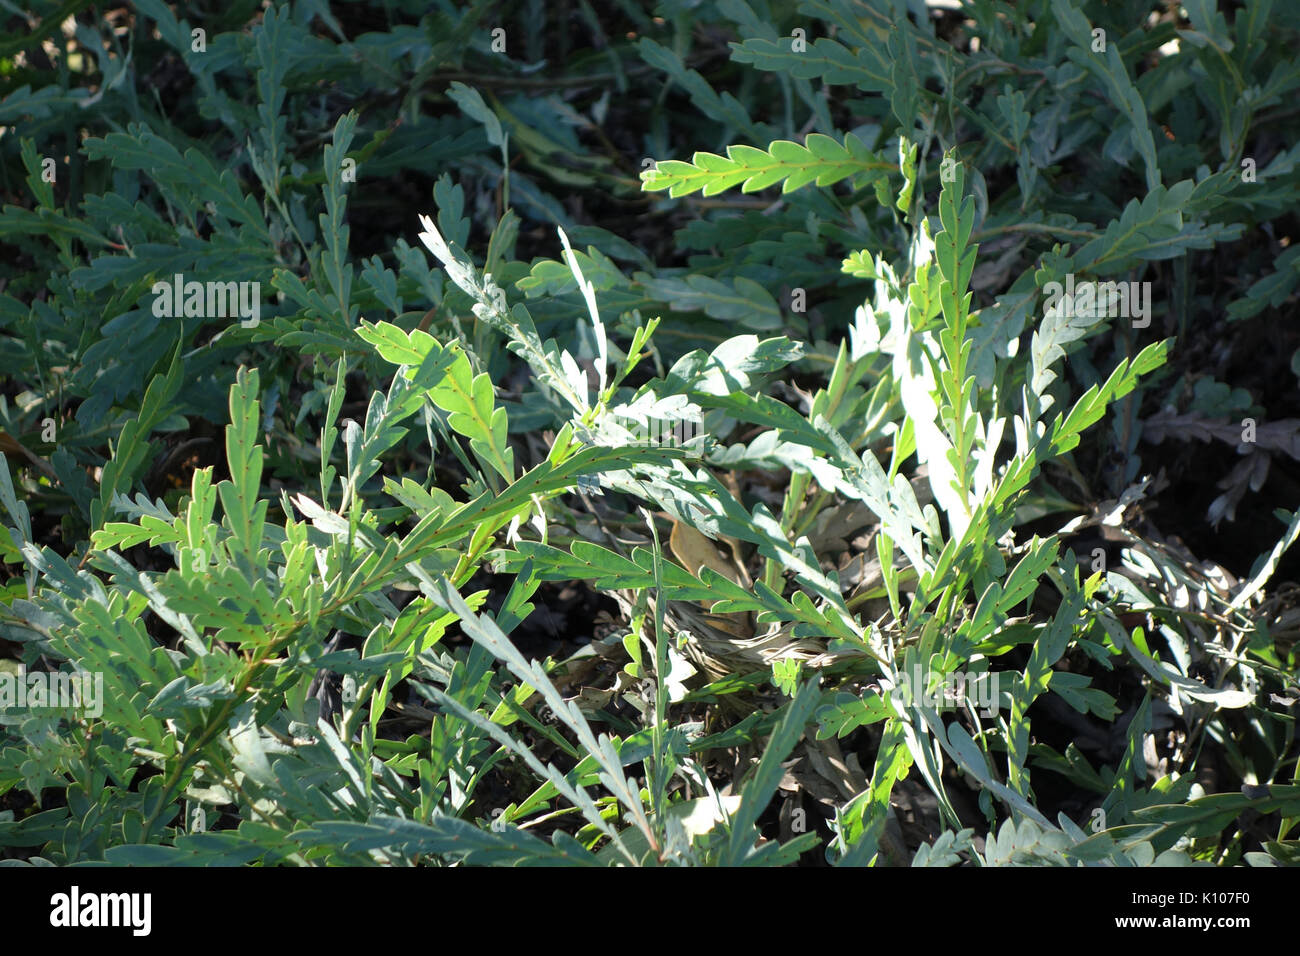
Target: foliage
{"points": [[302, 540]]}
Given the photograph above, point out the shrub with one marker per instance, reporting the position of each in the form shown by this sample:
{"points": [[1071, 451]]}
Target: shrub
{"points": [[821, 490]]}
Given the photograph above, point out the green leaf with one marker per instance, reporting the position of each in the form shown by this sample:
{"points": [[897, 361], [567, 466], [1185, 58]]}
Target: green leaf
{"points": [[132, 448], [821, 160], [1110, 69], [758, 791], [826, 59], [245, 514]]}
